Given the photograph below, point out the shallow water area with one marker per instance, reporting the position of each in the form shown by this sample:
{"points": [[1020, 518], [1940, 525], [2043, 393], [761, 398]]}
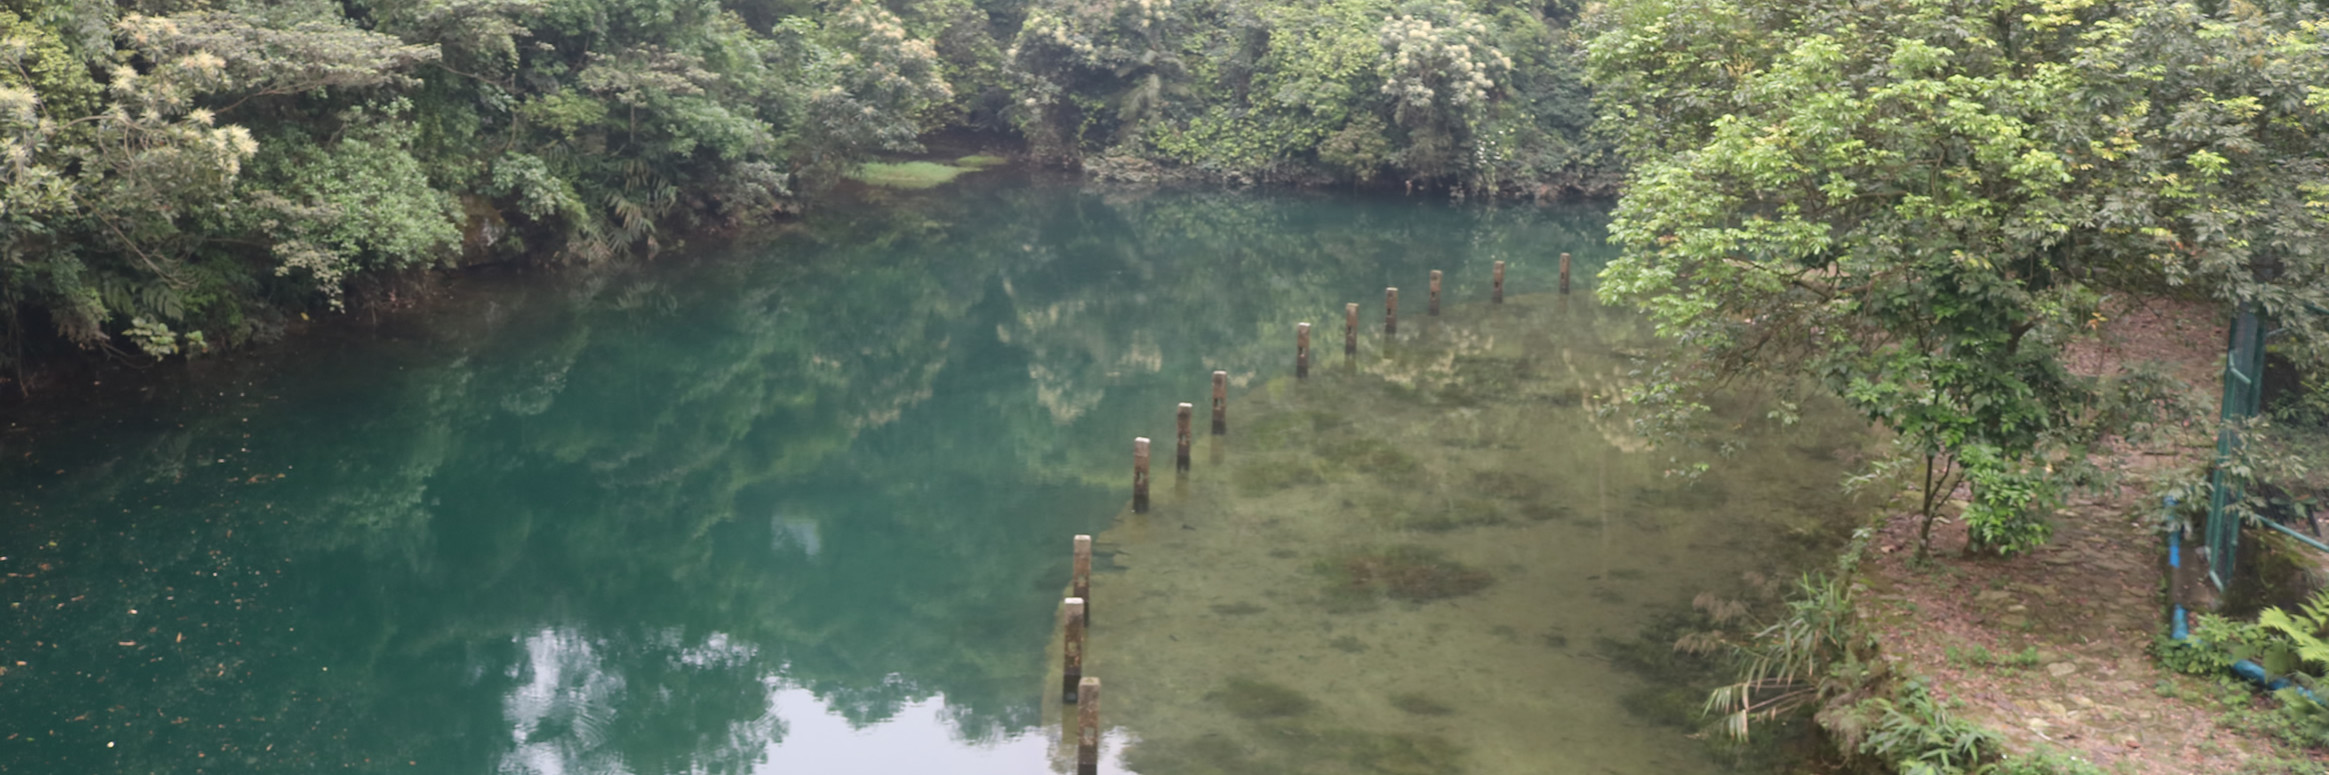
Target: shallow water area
{"points": [[1414, 560], [803, 503]]}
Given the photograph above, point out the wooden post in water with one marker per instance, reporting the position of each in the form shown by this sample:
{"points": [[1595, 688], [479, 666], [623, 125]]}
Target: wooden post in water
{"points": [[1073, 673], [1088, 727], [1496, 296], [1390, 311], [1301, 350], [1564, 273], [1140, 475], [1350, 330], [1433, 308], [1220, 402], [1181, 447], [1080, 579]]}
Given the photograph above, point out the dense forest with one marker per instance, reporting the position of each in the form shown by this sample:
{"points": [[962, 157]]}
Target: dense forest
{"points": [[187, 175]]}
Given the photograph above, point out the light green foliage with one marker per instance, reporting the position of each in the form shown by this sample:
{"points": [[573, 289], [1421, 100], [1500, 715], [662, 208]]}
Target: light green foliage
{"points": [[1923, 203], [362, 203], [2010, 501], [909, 175], [1911, 733]]}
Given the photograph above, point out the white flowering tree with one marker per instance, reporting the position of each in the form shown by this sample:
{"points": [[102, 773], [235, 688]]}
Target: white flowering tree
{"points": [[1107, 66], [1440, 70], [109, 189]]}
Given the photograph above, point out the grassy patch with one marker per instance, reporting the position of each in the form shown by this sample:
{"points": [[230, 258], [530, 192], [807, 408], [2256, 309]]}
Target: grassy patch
{"points": [[907, 175], [980, 161], [1980, 656]]}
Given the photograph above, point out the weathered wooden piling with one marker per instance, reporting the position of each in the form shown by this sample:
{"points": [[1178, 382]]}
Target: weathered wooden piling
{"points": [[1220, 402], [1432, 309], [1088, 727], [1080, 579], [1350, 329], [1390, 311], [1140, 475], [1564, 273], [1301, 350], [1181, 445], [1496, 296], [1073, 643]]}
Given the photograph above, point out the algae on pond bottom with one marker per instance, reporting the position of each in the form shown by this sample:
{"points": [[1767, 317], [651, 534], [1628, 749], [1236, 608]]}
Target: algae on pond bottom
{"points": [[1407, 572], [1386, 566]]}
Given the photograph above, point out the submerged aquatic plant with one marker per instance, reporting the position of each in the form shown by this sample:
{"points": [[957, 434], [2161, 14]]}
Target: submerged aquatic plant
{"points": [[1406, 572], [1252, 698]]}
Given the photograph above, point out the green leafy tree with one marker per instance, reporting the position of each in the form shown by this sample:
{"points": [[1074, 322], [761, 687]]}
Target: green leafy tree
{"points": [[118, 188], [187, 174], [1922, 204]]}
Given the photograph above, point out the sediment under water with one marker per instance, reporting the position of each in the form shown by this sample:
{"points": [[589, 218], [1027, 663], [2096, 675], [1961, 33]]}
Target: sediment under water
{"points": [[1414, 560]]}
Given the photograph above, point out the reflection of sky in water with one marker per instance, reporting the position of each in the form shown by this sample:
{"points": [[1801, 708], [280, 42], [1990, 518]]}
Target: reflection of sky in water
{"points": [[918, 739], [559, 713], [556, 715]]}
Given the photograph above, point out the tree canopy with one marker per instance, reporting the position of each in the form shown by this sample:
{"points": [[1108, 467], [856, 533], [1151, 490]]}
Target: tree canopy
{"points": [[1923, 203]]}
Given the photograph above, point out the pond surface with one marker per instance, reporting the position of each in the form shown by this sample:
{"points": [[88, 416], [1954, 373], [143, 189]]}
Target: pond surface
{"points": [[803, 504]]}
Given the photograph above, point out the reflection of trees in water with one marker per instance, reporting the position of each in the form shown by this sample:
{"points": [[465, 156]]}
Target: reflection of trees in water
{"points": [[604, 516], [650, 705]]}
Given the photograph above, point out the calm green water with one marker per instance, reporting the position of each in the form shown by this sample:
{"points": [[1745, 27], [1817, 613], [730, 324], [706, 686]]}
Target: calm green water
{"points": [[799, 505]]}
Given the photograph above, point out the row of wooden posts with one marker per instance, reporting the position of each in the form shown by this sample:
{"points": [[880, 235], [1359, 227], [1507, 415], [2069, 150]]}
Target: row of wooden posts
{"points": [[1350, 348], [1083, 691]]}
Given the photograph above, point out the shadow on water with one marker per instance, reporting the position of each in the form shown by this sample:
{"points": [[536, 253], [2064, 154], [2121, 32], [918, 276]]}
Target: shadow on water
{"points": [[734, 511]]}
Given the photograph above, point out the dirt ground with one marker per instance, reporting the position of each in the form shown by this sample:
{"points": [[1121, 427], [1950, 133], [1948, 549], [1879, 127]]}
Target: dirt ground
{"points": [[2051, 649]]}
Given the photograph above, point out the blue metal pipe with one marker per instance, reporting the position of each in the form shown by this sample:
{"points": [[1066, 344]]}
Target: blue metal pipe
{"points": [[2181, 630], [2177, 628]]}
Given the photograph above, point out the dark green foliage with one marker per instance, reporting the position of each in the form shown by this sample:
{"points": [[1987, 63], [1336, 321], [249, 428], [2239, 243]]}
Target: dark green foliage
{"points": [[184, 177]]}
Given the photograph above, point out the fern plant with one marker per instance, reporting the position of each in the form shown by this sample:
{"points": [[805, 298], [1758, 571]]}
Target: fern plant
{"points": [[2298, 642]]}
